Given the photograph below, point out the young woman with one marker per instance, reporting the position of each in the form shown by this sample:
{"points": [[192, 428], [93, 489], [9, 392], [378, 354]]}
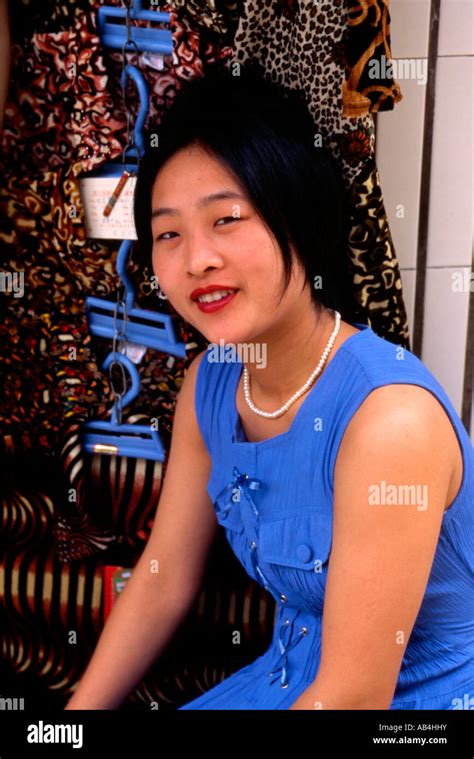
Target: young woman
{"points": [[334, 461]]}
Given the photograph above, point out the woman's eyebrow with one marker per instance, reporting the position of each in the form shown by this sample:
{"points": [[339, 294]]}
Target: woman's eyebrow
{"points": [[201, 203]]}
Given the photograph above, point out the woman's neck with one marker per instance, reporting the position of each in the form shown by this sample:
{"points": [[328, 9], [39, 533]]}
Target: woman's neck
{"points": [[291, 357]]}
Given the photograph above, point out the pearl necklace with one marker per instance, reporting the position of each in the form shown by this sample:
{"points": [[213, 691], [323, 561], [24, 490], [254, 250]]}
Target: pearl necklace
{"points": [[307, 384]]}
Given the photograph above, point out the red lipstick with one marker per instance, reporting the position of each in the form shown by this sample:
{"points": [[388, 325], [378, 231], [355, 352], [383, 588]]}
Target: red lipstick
{"points": [[215, 305]]}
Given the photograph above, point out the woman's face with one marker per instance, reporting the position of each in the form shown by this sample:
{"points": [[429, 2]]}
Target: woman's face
{"points": [[205, 232]]}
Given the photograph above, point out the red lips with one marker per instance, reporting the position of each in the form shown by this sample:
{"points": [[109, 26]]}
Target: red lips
{"points": [[210, 289]]}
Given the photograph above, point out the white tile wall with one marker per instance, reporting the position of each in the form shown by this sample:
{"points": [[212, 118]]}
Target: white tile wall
{"points": [[456, 28], [450, 223], [409, 28], [399, 158], [450, 230], [445, 331], [399, 148]]}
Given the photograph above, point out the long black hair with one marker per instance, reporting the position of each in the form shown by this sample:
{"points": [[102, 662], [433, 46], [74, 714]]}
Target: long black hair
{"points": [[265, 137]]}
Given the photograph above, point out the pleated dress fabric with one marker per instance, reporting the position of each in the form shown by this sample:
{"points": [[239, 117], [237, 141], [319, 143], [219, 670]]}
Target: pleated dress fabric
{"points": [[274, 498]]}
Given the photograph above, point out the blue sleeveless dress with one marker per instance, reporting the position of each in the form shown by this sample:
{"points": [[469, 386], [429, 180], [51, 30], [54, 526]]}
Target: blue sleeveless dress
{"points": [[274, 499]]}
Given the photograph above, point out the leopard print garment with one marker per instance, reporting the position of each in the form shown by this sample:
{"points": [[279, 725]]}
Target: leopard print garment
{"points": [[219, 16], [368, 39], [306, 51]]}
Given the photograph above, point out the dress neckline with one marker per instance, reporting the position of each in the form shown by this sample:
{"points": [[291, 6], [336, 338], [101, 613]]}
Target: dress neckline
{"points": [[237, 428]]}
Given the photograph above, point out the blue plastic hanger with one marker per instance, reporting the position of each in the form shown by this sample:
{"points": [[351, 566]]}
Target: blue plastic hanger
{"points": [[148, 328], [127, 37], [116, 439], [137, 148], [134, 74], [122, 321], [114, 35], [138, 325]]}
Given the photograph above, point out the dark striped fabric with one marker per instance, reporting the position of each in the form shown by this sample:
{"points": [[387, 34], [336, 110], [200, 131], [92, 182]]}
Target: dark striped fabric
{"points": [[105, 499], [51, 613]]}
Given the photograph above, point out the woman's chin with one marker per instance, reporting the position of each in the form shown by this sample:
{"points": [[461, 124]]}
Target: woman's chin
{"points": [[220, 338], [218, 334]]}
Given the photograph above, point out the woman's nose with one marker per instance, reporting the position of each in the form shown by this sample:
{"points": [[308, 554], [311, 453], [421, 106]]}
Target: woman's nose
{"points": [[200, 255]]}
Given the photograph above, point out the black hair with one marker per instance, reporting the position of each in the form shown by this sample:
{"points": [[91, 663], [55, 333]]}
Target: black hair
{"points": [[265, 136]]}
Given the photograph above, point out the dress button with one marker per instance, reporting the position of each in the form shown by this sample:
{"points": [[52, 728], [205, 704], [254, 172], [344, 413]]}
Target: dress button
{"points": [[283, 598], [304, 552], [253, 544]]}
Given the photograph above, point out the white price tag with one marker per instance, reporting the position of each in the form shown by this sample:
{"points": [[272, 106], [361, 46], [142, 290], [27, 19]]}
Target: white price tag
{"points": [[154, 60], [95, 194], [134, 352]]}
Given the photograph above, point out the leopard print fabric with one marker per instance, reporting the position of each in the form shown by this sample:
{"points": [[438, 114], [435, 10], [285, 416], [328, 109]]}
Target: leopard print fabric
{"points": [[219, 16], [368, 39], [306, 51], [64, 117]]}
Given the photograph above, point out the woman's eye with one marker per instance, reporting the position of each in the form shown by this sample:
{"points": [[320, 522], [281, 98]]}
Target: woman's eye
{"points": [[227, 218], [164, 236]]}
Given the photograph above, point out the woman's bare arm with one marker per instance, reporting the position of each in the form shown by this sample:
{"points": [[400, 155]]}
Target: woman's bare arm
{"points": [[169, 573], [382, 552]]}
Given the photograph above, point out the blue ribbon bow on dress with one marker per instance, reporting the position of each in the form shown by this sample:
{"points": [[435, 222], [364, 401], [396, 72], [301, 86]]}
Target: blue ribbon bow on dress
{"points": [[236, 488], [232, 493]]}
